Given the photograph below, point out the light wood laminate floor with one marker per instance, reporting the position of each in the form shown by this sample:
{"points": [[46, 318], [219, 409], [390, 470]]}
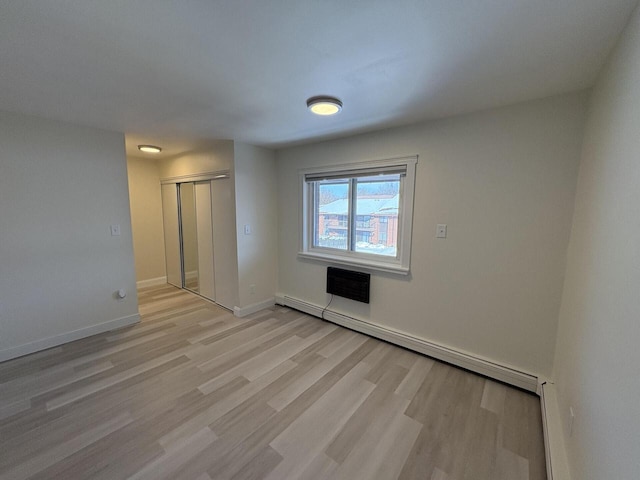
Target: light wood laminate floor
{"points": [[193, 393]]}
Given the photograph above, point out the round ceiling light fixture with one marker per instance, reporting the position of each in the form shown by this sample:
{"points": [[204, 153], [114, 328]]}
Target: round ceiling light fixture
{"points": [[149, 149], [324, 105]]}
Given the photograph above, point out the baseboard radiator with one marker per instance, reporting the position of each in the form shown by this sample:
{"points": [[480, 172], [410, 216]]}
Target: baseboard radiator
{"points": [[474, 363]]}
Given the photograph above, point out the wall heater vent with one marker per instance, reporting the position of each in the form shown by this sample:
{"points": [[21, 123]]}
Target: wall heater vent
{"points": [[348, 284]]}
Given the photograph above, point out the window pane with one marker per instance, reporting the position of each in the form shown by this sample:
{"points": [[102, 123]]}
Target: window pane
{"points": [[331, 214], [377, 203], [359, 214]]}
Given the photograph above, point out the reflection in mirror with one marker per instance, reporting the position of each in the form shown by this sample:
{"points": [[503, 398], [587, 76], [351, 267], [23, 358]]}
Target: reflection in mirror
{"points": [[188, 229]]}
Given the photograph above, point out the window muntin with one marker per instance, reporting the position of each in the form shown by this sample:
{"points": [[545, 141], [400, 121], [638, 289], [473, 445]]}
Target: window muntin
{"points": [[359, 214]]}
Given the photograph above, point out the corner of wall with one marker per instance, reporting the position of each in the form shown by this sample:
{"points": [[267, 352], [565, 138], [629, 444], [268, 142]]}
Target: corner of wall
{"points": [[256, 224]]}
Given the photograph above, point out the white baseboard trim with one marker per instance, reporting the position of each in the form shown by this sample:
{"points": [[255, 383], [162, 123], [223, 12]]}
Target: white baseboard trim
{"points": [[483, 366], [555, 453], [254, 307], [151, 282], [43, 344]]}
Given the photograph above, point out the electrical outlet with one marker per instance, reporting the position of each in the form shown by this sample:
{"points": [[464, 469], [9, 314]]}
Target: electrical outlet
{"points": [[252, 289]]}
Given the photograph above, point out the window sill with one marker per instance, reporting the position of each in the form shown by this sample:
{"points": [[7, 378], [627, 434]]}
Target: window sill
{"points": [[356, 262]]}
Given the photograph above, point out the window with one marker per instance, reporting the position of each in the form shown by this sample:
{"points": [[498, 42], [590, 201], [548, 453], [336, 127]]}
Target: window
{"points": [[359, 214]]}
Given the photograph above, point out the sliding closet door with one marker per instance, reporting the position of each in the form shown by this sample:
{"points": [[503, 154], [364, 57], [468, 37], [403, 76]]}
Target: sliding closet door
{"points": [[210, 206], [205, 239], [171, 234], [224, 243]]}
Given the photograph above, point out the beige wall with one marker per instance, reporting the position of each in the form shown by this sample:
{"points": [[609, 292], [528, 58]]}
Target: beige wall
{"points": [[256, 193], [597, 357], [146, 218], [215, 156], [61, 187], [504, 182]]}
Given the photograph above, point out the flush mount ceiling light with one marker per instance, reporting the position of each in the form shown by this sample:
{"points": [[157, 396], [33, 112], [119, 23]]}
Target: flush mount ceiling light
{"points": [[324, 105], [149, 149]]}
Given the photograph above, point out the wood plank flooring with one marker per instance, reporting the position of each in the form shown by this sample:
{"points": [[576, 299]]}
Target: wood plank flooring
{"points": [[193, 393]]}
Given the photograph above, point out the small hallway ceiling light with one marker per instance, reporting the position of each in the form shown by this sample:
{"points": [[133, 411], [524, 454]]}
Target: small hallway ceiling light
{"points": [[149, 149], [324, 105]]}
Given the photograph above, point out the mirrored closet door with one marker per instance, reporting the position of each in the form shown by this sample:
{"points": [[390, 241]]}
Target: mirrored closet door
{"points": [[188, 236]]}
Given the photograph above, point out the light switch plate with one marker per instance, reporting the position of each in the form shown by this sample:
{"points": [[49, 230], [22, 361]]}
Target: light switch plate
{"points": [[441, 231], [115, 230]]}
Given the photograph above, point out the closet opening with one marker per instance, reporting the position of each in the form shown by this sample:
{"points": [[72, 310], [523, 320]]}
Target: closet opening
{"points": [[199, 244]]}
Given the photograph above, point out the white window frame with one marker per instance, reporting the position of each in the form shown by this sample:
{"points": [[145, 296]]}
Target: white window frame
{"points": [[400, 264]]}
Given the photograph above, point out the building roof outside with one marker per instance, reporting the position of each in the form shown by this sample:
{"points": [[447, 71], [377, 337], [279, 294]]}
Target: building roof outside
{"points": [[365, 206]]}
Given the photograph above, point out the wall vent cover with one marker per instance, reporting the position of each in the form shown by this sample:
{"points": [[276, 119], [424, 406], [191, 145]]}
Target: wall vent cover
{"points": [[348, 284]]}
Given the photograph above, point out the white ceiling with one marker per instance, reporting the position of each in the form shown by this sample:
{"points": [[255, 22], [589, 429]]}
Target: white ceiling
{"points": [[171, 72]]}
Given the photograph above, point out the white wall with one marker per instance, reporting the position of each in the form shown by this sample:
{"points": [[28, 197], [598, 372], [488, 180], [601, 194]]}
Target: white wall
{"points": [[256, 187], [146, 218], [61, 187], [504, 182], [597, 356]]}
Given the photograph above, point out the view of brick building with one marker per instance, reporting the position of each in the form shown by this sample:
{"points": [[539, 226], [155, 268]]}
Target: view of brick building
{"points": [[376, 224]]}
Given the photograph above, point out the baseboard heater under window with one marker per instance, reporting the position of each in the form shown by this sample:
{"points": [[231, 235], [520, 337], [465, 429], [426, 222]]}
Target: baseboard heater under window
{"points": [[348, 284]]}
